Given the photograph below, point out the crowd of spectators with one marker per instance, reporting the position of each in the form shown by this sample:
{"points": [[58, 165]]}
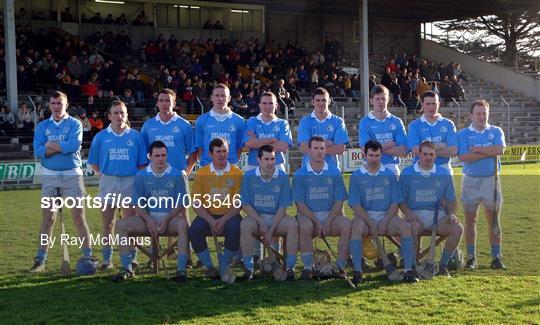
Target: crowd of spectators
{"points": [[408, 78], [67, 16]]}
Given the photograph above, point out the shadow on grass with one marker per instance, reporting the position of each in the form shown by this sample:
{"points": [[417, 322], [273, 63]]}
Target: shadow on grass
{"points": [[154, 299]]}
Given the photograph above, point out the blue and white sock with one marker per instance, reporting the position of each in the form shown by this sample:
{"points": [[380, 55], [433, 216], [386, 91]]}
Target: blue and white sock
{"points": [[41, 256], [205, 258], [226, 259], [248, 262], [307, 260], [107, 253], [407, 252], [446, 255], [87, 251], [471, 251], [125, 260], [495, 251], [355, 247], [181, 262], [290, 261]]}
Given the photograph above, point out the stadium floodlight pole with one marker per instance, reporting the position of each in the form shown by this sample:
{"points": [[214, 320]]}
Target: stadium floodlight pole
{"points": [[287, 156], [364, 58], [10, 55], [507, 119]]}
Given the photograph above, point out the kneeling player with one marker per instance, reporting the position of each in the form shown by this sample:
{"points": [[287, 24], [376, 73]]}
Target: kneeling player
{"points": [[160, 183], [266, 194], [319, 193], [424, 187], [374, 196]]}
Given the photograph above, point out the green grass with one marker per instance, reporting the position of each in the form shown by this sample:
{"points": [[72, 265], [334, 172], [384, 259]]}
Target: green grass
{"points": [[481, 296]]}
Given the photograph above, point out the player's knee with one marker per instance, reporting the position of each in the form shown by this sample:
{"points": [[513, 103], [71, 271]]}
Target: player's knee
{"points": [[416, 229], [292, 227], [246, 226], [457, 230], [358, 229], [345, 227]]}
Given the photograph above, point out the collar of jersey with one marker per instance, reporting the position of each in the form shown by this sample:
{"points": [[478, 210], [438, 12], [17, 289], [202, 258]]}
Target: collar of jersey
{"points": [[310, 169], [174, 118], [258, 173], [417, 169], [471, 128], [220, 117], [259, 117], [425, 120], [364, 170], [373, 117], [110, 130], [167, 170], [220, 172], [59, 122], [313, 115]]}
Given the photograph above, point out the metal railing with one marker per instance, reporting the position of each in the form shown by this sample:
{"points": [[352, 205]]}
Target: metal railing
{"points": [[459, 113]]}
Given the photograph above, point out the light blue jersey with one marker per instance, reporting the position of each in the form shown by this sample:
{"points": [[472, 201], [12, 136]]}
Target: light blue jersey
{"points": [[266, 196], [491, 136], [118, 154], [383, 131], [275, 129], [318, 191], [208, 127], [158, 193], [177, 134], [441, 131], [422, 189], [68, 134], [331, 128], [374, 192]]}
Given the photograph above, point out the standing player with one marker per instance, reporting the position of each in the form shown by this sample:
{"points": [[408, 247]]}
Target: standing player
{"points": [[319, 193], [216, 191], [374, 197], [117, 153], [385, 128], [57, 142], [266, 194], [173, 130], [267, 129], [158, 196], [219, 122], [424, 186], [322, 123], [432, 126], [479, 146]]}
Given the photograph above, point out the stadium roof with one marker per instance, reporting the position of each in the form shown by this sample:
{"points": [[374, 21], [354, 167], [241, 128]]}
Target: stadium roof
{"points": [[417, 10]]}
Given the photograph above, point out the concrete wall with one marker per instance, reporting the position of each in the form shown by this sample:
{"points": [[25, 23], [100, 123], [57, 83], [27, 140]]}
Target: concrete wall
{"points": [[487, 71], [389, 37]]}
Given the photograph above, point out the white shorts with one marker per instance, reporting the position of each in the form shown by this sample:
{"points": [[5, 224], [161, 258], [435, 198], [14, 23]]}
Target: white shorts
{"points": [[69, 182], [427, 217], [268, 218], [476, 190], [119, 185], [321, 215], [376, 216], [157, 216], [247, 168]]}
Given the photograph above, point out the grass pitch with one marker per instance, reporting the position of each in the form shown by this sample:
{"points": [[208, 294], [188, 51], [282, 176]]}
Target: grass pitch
{"points": [[480, 296]]}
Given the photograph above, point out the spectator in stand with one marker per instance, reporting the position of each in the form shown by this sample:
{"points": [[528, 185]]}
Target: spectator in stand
{"points": [[109, 20], [207, 24], [290, 87], [217, 69], [25, 120], [404, 85], [289, 104], [90, 88], [74, 67], [218, 25], [446, 91], [7, 121], [435, 88], [122, 20], [414, 83], [396, 92], [372, 81], [458, 72], [40, 113], [386, 78], [96, 122], [90, 104], [391, 67], [138, 87], [422, 87], [96, 19], [239, 105], [355, 86], [186, 93], [318, 59], [303, 77], [457, 89], [128, 99], [253, 105]]}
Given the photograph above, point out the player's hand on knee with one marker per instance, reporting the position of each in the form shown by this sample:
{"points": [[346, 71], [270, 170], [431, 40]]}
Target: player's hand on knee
{"points": [[152, 229], [383, 226], [453, 220], [161, 225]]}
